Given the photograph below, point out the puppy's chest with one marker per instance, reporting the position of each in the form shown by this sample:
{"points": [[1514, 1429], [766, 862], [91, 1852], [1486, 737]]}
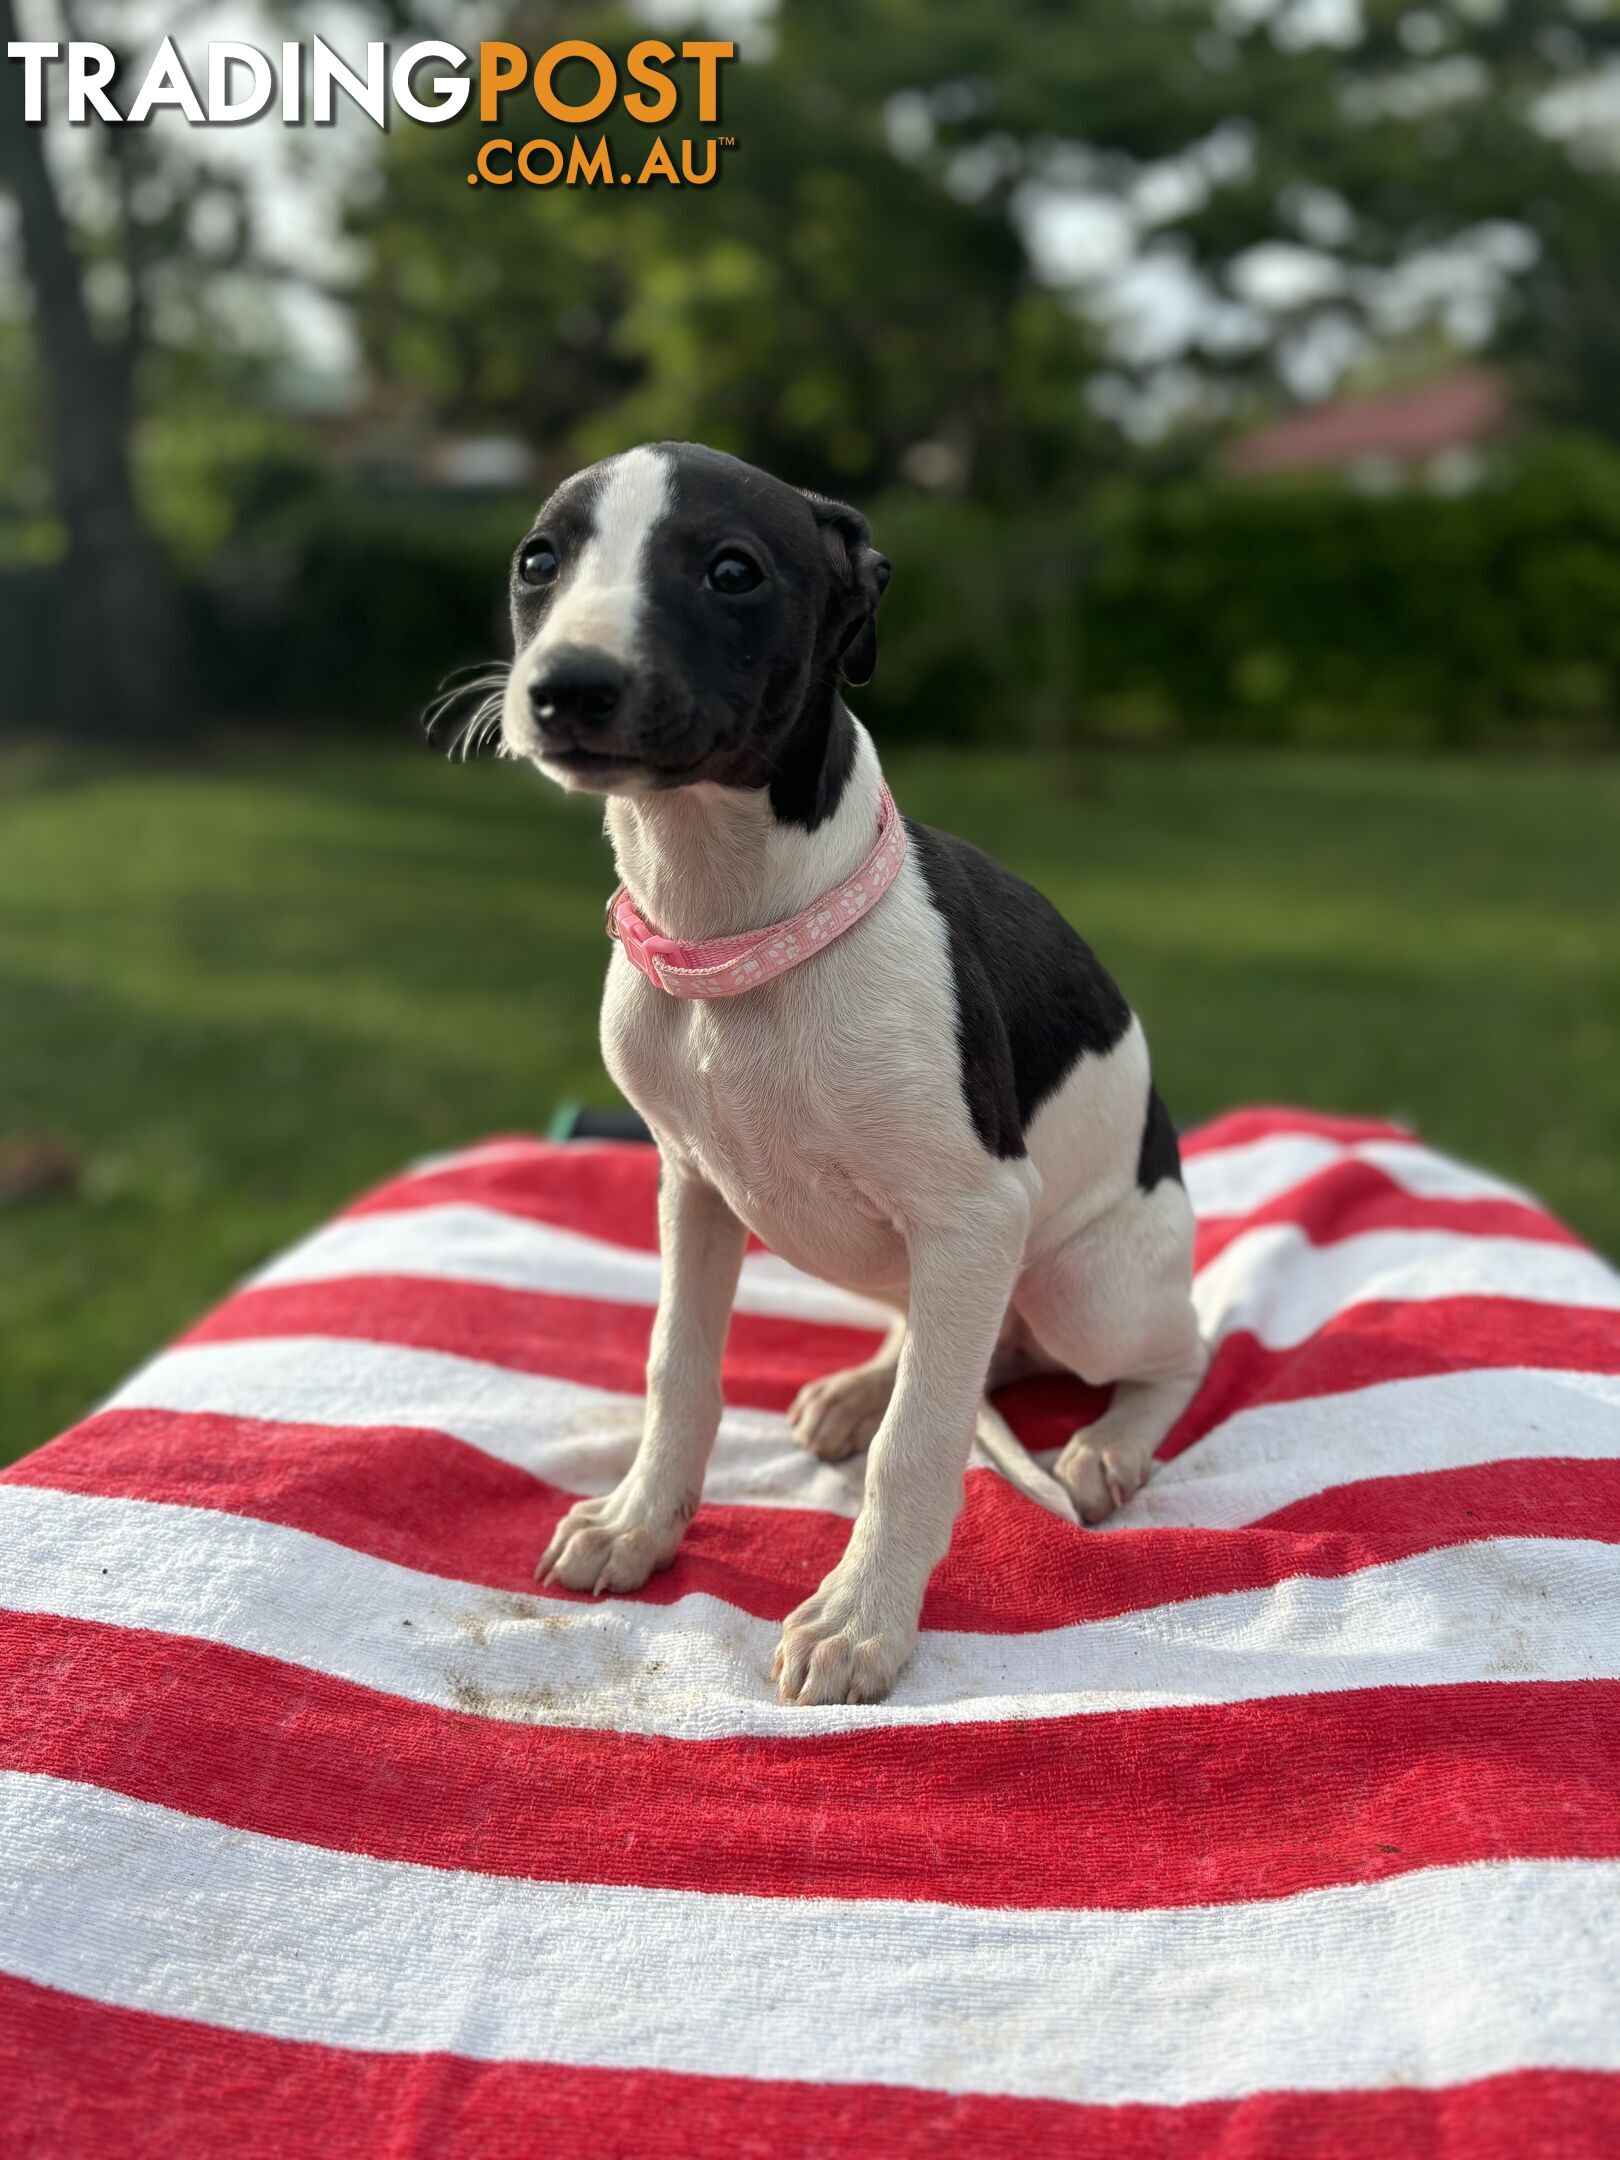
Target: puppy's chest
{"points": [[771, 1118]]}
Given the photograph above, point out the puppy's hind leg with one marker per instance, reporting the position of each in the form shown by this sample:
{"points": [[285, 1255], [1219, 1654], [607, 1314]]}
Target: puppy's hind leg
{"points": [[1105, 1464], [836, 1416], [1114, 1302]]}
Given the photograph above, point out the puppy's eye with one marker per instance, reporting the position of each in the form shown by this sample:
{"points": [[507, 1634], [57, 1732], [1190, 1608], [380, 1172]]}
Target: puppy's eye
{"points": [[537, 564], [732, 573]]}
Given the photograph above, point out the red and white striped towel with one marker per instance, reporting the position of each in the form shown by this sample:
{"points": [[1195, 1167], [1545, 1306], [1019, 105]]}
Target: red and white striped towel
{"points": [[1280, 1816]]}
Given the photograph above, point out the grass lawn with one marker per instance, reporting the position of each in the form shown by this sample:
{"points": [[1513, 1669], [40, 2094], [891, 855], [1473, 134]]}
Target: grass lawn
{"points": [[242, 989]]}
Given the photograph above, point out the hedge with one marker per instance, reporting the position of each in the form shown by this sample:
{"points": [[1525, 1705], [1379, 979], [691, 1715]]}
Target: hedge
{"points": [[1199, 608], [1305, 612]]}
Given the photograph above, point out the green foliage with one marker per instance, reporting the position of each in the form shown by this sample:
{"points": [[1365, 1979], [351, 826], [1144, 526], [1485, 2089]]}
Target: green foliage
{"points": [[1283, 613], [353, 607], [851, 287], [821, 308], [1314, 613], [212, 469], [1421, 127]]}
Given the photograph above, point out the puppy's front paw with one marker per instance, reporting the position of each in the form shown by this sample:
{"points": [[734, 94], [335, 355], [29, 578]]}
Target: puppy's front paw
{"points": [[840, 1646], [1100, 1479], [613, 1543]]}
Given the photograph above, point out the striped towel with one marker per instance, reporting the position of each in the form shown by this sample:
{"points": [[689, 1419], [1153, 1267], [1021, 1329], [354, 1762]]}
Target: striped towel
{"points": [[1280, 1816]]}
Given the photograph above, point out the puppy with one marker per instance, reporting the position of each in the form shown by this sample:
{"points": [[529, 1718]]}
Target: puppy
{"points": [[856, 1036]]}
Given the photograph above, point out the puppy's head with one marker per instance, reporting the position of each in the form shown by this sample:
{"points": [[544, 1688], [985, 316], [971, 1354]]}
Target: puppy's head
{"points": [[677, 616]]}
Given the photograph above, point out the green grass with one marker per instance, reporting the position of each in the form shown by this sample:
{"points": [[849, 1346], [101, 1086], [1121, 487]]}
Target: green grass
{"points": [[243, 989]]}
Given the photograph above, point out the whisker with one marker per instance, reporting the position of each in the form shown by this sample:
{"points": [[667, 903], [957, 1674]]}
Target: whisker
{"points": [[481, 688], [490, 732], [449, 698], [472, 737], [473, 667]]}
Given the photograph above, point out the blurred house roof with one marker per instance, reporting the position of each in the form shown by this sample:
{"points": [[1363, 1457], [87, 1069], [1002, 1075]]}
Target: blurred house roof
{"points": [[1403, 427]]}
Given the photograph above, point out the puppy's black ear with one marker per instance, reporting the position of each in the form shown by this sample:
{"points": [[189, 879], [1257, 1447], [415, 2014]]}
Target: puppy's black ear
{"points": [[860, 577]]}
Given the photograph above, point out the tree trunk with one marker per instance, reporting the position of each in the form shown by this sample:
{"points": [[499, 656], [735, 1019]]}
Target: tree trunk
{"points": [[124, 658]]}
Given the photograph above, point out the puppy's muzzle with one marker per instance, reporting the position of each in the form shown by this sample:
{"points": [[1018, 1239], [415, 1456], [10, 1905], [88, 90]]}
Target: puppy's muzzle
{"points": [[574, 693]]}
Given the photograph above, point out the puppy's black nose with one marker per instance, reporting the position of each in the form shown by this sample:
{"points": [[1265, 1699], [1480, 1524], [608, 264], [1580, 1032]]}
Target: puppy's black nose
{"points": [[577, 685]]}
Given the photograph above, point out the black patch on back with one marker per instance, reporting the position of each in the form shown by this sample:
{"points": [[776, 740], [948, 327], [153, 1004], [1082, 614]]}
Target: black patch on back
{"points": [[1032, 998], [1161, 1154]]}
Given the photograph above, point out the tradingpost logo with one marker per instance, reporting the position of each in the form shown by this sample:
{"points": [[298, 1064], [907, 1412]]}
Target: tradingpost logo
{"points": [[651, 94], [674, 95]]}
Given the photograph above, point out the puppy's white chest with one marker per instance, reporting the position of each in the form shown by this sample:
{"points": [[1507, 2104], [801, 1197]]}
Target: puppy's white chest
{"points": [[764, 1122]]}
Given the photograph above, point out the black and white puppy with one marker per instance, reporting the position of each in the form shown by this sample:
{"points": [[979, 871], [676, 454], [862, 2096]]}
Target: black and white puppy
{"points": [[948, 1108]]}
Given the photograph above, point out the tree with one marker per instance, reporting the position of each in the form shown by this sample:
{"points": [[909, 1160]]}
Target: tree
{"points": [[170, 226], [820, 308], [128, 669], [859, 278], [1367, 148]]}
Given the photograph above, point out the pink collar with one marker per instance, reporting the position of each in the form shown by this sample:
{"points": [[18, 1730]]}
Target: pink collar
{"points": [[720, 967]]}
